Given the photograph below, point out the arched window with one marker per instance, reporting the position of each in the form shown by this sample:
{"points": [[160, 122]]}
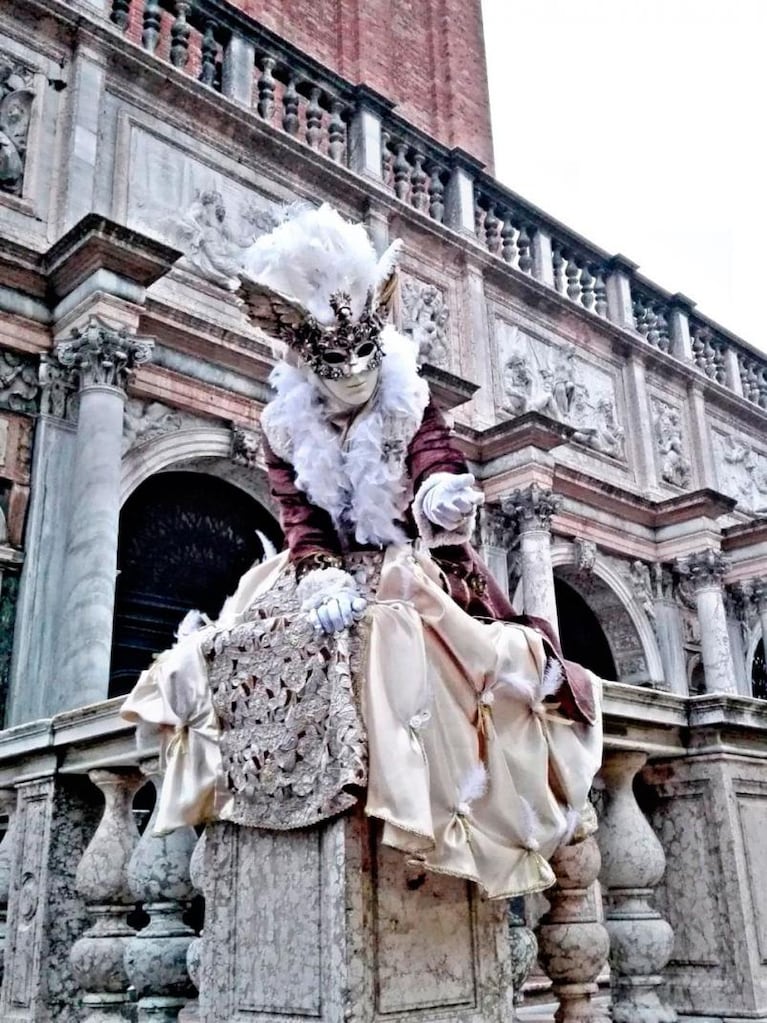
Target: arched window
{"points": [[580, 633], [185, 540], [759, 672]]}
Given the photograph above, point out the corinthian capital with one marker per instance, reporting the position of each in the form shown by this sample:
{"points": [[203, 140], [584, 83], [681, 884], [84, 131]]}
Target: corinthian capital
{"points": [[102, 355], [532, 507], [704, 568]]}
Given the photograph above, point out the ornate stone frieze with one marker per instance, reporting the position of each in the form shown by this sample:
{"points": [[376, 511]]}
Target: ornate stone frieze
{"points": [[585, 554], [703, 568], [674, 466], [19, 385], [532, 507], [246, 447], [102, 355], [538, 377], [425, 317], [742, 470], [16, 98], [145, 421]]}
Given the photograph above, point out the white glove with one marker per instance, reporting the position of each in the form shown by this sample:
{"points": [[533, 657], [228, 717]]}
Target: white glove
{"points": [[450, 502], [338, 613]]}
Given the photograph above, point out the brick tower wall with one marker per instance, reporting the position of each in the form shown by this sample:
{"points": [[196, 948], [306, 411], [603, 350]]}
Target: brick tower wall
{"points": [[427, 56]]}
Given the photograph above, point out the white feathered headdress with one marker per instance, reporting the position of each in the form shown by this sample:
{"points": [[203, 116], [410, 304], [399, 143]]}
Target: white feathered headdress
{"points": [[316, 282]]}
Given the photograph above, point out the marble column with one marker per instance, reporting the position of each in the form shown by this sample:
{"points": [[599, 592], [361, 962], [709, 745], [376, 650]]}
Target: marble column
{"points": [[633, 863], [101, 358], [705, 570], [532, 509], [760, 599]]}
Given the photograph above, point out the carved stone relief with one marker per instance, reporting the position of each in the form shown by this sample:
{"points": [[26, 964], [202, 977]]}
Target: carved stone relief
{"points": [[16, 98], [246, 447], [552, 380], [425, 317], [188, 205], [742, 471], [674, 465], [19, 386], [145, 421], [641, 581], [585, 554]]}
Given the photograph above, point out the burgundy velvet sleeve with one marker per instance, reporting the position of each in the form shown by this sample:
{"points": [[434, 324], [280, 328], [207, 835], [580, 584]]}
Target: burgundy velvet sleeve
{"points": [[309, 530], [433, 450]]}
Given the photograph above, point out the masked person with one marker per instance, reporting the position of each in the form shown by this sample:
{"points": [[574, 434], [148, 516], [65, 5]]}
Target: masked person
{"points": [[375, 659]]}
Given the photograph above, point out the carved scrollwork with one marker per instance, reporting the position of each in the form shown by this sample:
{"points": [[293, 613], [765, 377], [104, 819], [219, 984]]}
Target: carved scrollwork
{"points": [[703, 568]]}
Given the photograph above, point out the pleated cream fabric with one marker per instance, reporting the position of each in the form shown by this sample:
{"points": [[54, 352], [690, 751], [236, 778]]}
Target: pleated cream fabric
{"points": [[471, 769]]}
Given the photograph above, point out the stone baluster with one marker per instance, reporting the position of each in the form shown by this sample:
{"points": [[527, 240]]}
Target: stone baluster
{"points": [[120, 13], [509, 250], [290, 104], [600, 294], [336, 132], [179, 35], [102, 881], [492, 231], [436, 194], [573, 275], [151, 30], [401, 168], [191, 1011], [524, 947], [633, 863], [572, 944], [266, 87], [7, 808], [101, 358], [588, 280], [532, 509], [525, 245], [314, 118], [158, 875], [558, 269], [706, 570], [208, 54]]}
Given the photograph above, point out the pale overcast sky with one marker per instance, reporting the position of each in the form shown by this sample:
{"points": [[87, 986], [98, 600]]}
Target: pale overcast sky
{"points": [[640, 124]]}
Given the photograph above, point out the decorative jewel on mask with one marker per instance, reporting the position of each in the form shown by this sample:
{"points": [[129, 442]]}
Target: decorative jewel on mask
{"points": [[328, 351]]}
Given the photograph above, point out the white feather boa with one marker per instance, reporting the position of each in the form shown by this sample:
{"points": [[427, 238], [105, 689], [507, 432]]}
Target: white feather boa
{"points": [[365, 479]]}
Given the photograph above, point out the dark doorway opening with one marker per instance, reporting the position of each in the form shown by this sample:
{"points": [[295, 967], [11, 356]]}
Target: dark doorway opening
{"points": [[185, 540], [580, 633], [759, 672]]}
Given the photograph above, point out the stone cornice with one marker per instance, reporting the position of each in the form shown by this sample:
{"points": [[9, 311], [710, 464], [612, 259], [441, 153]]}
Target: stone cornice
{"points": [[531, 430]]}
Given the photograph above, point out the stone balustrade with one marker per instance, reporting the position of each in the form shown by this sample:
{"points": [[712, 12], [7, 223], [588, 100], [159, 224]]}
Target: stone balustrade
{"points": [[76, 777]]}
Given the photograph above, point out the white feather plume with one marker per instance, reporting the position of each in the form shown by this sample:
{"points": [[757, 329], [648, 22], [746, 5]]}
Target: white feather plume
{"points": [[472, 786], [192, 621], [553, 678], [315, 254], [523, 688], [530, 825]]}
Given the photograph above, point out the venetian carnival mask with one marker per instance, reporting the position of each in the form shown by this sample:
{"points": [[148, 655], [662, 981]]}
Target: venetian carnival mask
{"points": [[316, 284]]}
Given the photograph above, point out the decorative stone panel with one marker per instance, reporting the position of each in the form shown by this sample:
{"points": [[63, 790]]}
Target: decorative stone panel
{"points": [[741, 468], [16, 99], [671, 453], [425, 316], [555, 381]]}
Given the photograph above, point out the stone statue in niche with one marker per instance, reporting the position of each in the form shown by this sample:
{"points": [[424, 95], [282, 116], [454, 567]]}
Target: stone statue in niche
{"points": [[424, 317], [538, 378], [674, 466], [16, 97], [291, 704], [209, 239]]}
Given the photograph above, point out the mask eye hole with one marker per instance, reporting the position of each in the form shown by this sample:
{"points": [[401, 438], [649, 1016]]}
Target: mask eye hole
{"points": [[334, 358], [365, 349]]}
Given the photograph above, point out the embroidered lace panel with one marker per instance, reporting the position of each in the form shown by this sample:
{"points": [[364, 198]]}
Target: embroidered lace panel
{"points": [[292, 738]]}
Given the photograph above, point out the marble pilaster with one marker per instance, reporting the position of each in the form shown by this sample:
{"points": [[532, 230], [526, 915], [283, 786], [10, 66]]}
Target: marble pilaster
{"points": [[8, 809], [493, 539], [532, 509], [705, 570], [101, 359]]}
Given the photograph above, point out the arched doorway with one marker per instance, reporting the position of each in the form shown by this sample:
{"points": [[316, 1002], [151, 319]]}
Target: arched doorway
{"points": [[759, 672], [580, 633], [185, 540]]}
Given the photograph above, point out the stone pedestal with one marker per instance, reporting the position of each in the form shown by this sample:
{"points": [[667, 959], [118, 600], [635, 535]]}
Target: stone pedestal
{"points": [[329, 924], [710, 814]]}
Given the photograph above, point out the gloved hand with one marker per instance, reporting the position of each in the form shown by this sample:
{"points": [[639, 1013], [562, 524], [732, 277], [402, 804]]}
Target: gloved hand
{"points": [[450, 502], [338, 612]]}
